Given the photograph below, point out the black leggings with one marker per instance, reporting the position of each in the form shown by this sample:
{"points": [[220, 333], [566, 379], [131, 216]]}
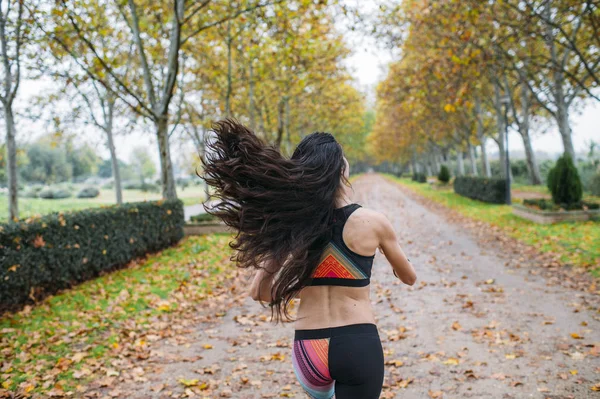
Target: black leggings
{"points": [[346, 361]]}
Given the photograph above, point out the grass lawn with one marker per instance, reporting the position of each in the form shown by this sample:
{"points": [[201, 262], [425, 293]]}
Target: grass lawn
{"points": [[577, 243], [38, 206], [71, 338]]}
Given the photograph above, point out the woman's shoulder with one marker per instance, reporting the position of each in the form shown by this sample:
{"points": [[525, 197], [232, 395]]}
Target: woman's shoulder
{"points": [[371, 217]]}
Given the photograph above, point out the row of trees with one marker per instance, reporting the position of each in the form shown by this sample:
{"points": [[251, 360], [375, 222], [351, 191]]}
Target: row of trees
{"points": [[177, 66], [47, 161], [462, 61]]}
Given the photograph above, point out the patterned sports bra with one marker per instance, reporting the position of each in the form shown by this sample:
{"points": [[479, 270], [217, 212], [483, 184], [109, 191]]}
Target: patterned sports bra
{"points": [[339, 265]]}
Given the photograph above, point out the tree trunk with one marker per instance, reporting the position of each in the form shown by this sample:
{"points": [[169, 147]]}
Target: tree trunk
{"points": [[482, 139], [427, 166], [11, 164], [472, 160], [115, 165], [280, 123], [436, 165], [532, 166], [251, 96], [229, 72], [534, 171], [500, 118], [460, 163], [564, 127], [167, 178], [558, 88], [484, 159]]}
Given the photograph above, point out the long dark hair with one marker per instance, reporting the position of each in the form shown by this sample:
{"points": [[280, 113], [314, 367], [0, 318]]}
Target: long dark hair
{"points": [[281, 208]]}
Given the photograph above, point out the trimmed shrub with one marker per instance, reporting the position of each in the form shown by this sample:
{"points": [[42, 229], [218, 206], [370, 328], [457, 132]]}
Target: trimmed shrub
{"points": [[419, 177], [203, 217], [88, 192], [595, 185], [43, 255], [492, 190], [444, 175], [564, 182], [54, 193]]}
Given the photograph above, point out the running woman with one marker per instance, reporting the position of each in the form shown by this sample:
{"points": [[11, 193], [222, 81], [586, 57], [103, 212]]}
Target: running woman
{"points": [[297, 227]]}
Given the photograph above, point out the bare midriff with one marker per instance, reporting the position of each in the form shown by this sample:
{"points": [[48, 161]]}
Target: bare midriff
{"points": [[333, 306]]}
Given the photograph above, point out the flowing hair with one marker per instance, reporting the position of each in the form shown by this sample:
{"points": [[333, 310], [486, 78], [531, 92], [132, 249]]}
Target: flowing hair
{"points": [[281, 208]]}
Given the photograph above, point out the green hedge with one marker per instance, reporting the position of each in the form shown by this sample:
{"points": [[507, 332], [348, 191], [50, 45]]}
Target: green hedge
{"points": [[484, 189], [203, 217], [43, 255]]}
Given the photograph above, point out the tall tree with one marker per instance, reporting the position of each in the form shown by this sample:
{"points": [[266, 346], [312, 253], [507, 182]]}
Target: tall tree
{"points": [[160, 30], [15, 34]]}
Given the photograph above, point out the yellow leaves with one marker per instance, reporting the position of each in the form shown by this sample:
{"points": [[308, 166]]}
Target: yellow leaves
{"points": [[573, 372], [456, 326], [595, 388], [6, 384], [188, 383], [395, 363], [576, 336], [452, 361], [274, 357], [436, 394], [449, 108], [207, 346], [13, 268], [404, 383]]}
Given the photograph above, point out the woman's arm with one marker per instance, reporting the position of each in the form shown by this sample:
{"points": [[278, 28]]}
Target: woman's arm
{"points": [[388, 245], [260, 289]]}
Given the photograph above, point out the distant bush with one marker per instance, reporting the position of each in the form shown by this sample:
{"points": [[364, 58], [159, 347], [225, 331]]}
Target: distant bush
{"points": [[44, 255], [444, 175], [149, 187], [88, 192], [132, 185], [419, 177], [146, 187], [564, 182], [54, 193], [203, 217], [484, 189]]}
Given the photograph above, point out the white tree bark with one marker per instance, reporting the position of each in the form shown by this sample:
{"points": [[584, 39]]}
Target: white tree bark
{"points": [[460, 163], [472, 160]]}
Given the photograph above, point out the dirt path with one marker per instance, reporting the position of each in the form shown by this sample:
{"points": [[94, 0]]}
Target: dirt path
{"points": [[470, 328]]}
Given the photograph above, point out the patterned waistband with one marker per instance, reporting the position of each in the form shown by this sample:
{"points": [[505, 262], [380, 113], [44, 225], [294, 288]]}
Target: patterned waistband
{"points": [[336, 331]]}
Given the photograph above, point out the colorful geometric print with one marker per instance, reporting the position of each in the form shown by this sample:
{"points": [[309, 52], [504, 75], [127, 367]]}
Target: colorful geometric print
{"points": [[311, 366], [335, 264]]}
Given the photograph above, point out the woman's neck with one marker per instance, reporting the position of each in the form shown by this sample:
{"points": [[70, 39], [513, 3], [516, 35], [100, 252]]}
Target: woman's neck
{"points": [[343, 197]]}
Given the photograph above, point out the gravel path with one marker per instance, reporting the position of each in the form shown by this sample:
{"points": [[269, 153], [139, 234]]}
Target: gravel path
{"points": [[471, 327]]}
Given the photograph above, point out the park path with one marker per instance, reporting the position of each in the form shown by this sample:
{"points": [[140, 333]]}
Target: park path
{"points": [[475, 325]]}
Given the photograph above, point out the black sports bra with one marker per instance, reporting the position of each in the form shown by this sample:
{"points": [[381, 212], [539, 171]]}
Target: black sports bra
{"points": [[339, 265]]}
